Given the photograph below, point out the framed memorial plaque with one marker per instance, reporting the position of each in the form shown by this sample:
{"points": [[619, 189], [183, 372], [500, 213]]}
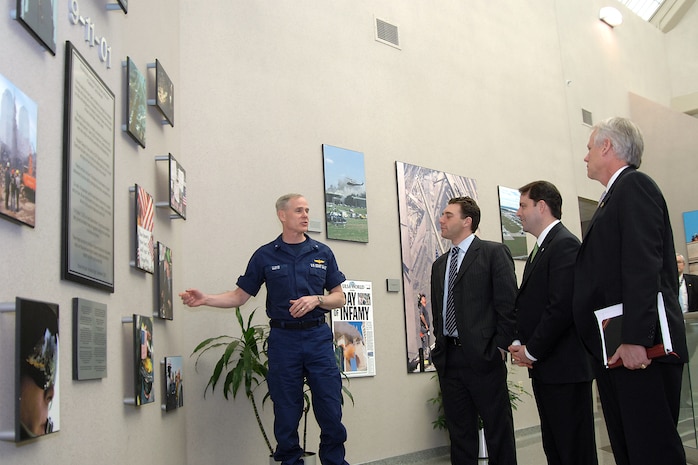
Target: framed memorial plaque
{"points": [[88, 175], [89, 339]]}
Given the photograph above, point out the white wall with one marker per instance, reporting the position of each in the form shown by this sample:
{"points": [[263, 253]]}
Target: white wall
{"points": [[96, 426], [478, 89]]}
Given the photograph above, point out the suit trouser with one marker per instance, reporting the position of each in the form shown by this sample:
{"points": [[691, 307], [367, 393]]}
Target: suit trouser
{"points": [[293, 354], [566, 422], [468, 393], [641, 408]]}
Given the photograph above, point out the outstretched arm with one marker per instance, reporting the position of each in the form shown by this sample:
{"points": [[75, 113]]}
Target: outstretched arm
{"points": [[229, 299]]}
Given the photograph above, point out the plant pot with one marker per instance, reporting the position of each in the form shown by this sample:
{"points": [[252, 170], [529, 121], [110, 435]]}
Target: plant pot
{"points": [[309, 458]]}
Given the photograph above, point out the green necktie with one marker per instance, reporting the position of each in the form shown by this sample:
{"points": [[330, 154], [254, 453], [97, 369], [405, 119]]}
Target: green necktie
{"points": [[534, 252]]}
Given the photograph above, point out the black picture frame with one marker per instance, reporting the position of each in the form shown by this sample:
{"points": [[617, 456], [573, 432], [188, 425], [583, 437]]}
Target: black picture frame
{"points": [[37, 369], [164, 93], [164, 288], [88, 175], [136, 103], [143, 232], [40, 18], [178, 187], [123, 4]]}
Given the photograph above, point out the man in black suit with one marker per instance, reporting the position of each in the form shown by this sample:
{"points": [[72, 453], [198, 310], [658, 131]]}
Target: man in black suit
{"points": [[547, 341], [473, 325], [628, 257], [688, 287]]}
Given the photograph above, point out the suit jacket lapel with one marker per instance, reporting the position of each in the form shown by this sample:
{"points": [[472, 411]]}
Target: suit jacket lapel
{"points": [[607, 198], [530, 266], [469, 258]]}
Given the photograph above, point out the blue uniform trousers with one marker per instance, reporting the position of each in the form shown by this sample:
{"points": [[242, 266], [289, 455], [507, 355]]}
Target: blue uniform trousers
{"points": [[293, 354]]}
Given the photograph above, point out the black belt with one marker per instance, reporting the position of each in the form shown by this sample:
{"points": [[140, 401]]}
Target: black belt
{"points": [[297, 324], [453, 341]]}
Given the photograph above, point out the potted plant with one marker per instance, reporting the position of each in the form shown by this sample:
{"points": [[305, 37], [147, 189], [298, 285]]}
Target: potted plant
{"points": [[242, 363]]}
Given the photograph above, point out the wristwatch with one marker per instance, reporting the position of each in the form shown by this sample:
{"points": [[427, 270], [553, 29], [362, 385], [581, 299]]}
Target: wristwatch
{"points": [[321, 300]]}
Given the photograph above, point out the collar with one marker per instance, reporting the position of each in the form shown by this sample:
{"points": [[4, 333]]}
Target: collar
{"points": [[545, 232], [465, 243], [615, 176]]}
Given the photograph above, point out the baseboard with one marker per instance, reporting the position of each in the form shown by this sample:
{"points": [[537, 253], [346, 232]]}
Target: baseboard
{"points": [[413, 457]]}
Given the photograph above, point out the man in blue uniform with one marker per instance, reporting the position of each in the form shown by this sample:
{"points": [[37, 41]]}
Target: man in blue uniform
{"points": [[297, 270]]}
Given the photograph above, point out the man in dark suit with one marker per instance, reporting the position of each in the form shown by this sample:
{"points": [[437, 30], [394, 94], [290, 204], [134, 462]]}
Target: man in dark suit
{"points": [[473, 312], [547, 341], [688, 287], [628, 257]]}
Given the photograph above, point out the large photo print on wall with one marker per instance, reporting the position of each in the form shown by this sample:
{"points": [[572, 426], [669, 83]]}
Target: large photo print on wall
{"points": [[423, 193], [18, 123], [37, 409], [346, 216]]}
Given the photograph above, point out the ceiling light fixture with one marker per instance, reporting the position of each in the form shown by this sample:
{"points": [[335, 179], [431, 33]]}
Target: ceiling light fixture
{"points": [[610, 16]]}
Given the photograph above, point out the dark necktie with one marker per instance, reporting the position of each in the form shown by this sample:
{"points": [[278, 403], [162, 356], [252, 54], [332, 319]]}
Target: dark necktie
{"points": [[450, 302]]}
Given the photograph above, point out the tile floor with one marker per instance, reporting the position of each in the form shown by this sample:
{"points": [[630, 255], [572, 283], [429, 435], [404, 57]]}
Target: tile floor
{"points": [[529, 450]]}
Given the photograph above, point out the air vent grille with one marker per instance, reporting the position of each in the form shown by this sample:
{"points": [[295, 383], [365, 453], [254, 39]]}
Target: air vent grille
{"points": [[586, 117], [387, 33]]}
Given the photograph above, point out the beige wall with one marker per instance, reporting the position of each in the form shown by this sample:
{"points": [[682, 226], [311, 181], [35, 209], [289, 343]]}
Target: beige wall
{"points": [[492, 92]]}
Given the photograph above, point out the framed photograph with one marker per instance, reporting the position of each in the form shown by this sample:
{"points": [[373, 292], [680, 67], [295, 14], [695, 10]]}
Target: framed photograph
{"points": [[690, 227], [164, 282], [143, 359], [513, 235], [37, 395], [89, 339], [18, 155], [346, 216], [88, 176], [40, 17], [137, 103], [178, 188], [423, 194], [164, 98], [173, 383], [145, 222]]}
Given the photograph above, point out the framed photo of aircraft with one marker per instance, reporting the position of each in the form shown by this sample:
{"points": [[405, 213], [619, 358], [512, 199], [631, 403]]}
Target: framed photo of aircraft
{"points": [[346, 216]]}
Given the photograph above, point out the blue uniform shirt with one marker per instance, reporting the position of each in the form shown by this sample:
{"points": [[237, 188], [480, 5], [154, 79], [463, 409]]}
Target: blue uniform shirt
{"points": [[290, 272]]}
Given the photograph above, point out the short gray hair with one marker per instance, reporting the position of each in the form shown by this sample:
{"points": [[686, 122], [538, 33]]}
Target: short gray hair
{"points": [[283, 201], [625, 137]]}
